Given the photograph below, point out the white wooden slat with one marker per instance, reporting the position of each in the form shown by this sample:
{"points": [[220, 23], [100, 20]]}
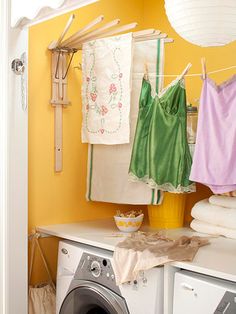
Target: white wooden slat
{"points": [[115, 31], [94, 33], [56, 43], [83, 30]]}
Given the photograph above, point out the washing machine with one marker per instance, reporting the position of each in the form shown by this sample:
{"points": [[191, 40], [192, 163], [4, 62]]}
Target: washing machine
{"points": [[86, 284]]}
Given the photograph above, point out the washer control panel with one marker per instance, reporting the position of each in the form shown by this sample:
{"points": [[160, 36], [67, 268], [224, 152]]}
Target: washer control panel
{"points": [[99, 266], [96, 268]]}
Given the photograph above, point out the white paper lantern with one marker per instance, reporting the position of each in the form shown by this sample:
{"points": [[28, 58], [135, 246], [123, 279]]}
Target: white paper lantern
{"points": [[203, 22]]}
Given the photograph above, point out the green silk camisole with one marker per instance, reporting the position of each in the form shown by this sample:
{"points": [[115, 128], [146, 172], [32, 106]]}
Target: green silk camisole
{"points": [[161, 156]]}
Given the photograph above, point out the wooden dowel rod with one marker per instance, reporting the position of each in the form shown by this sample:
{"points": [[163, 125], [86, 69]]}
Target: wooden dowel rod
{"points": [[83, 30], [56, 43], [94, 33], [116, 31], [144, 32]]}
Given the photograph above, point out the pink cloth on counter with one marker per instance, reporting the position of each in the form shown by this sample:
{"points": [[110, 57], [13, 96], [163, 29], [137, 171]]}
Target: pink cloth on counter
{"points": [[142, 251], [214, 160]]}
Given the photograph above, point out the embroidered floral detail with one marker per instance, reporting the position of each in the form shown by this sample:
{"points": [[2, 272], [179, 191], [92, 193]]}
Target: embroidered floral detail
{"points": [[112, 88], [104, 110], [93, 96], [114, 100]]}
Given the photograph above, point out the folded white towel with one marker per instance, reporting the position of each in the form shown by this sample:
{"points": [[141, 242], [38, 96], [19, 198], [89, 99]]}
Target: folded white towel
{"points": [[203, 227], [224, 201], [215, 215]]}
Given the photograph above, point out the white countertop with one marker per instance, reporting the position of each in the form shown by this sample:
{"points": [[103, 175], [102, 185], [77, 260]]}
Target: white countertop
{"points": [[217, 259]]}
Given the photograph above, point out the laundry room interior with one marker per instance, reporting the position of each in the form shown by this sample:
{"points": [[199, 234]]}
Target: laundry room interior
{"points": [[59, 197]]}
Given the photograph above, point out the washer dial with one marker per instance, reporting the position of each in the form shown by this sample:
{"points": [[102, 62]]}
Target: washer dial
{"points": [[95, 268]]}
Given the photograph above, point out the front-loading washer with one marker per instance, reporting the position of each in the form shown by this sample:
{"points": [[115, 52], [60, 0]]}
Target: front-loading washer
{"points": [[86, 284]]}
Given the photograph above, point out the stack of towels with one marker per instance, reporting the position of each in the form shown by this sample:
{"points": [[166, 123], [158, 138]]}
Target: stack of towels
{"points": [[216, 216]]}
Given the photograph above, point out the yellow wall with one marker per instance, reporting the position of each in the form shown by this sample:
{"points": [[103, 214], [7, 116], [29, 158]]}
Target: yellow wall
{"points": [[60, 198]]}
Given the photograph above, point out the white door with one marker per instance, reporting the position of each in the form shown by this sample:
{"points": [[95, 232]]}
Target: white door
{"points": [[14, 145], [17, 220], [14, 166]]}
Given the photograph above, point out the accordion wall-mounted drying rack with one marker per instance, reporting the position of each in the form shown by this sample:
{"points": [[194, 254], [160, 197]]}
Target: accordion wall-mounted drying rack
{"points": [[63, 52]]}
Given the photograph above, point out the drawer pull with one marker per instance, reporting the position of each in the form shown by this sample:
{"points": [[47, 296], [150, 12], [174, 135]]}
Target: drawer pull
{"points": [[187, 286], [64, 251]]}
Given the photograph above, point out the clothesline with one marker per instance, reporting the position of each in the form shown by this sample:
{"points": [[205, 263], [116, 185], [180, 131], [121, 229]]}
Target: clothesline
{"points": [[189, 75]]}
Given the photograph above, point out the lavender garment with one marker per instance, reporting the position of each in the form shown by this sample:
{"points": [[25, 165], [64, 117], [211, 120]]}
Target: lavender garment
{"points": [[214, 161]]}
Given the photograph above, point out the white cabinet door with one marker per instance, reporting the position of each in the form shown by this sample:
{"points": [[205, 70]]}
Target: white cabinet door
{"points": [[201, 294]]}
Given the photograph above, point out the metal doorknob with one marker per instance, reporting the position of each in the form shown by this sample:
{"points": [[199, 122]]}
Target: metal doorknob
{"points": [[18, 66]]}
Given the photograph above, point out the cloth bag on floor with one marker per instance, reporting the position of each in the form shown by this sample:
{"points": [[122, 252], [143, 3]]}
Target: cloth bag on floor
{"points": [[42, 297]]}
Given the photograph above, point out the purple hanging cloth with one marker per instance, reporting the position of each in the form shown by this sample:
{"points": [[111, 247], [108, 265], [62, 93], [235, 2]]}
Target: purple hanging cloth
{"points": [[214, 161]]}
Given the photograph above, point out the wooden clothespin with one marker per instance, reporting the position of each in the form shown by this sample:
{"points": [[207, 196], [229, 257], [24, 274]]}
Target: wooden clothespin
{"points": [[203, 62], [185, 71], [146, 77]]}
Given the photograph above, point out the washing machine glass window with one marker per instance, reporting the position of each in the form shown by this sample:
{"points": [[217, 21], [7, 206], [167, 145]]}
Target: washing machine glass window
{"points": [[92, 298]]}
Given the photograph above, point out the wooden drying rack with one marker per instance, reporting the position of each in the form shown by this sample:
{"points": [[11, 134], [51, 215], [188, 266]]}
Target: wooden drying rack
{"points": [[62, 55]]}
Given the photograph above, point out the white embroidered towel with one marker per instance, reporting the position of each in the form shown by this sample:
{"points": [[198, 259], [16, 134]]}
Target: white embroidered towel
{"points": [[106, 89], [108, 165]]}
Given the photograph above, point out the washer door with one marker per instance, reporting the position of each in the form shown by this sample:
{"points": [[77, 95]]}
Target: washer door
{"points": [[92, 298]]}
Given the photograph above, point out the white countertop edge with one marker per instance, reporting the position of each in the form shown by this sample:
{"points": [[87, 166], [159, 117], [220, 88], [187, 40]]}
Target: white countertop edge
{"points": [[76, 239]]}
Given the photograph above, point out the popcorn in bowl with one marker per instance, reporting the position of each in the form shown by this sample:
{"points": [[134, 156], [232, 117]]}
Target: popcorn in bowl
{"points": [[130, 221]]}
